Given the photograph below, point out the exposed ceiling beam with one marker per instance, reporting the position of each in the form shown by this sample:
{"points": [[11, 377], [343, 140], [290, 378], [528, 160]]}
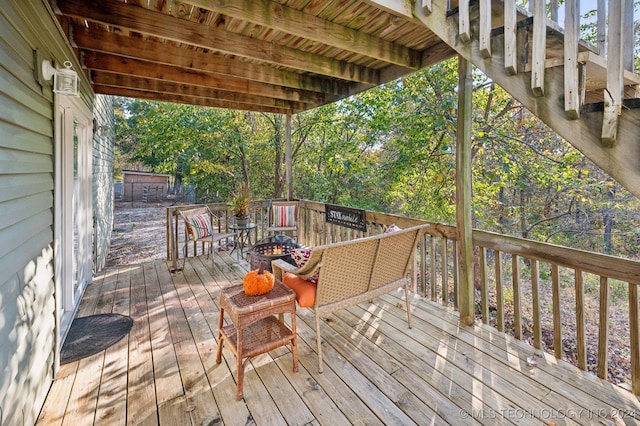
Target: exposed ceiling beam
{"points": [[141, 94], [138, 19], [103, 78], [401, 8], [170, 54], [433, 55], [291, 21], [122, 65]]}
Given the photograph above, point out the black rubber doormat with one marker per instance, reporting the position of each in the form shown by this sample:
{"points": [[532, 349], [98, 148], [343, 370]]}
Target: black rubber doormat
{"points": [[90, 335]]}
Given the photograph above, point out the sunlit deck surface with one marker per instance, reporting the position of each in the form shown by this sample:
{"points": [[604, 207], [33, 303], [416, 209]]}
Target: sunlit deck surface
{"points": [[377, 371]]}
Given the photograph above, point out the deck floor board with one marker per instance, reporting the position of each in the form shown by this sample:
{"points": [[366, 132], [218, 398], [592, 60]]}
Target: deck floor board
{"points": [[376, 370]]}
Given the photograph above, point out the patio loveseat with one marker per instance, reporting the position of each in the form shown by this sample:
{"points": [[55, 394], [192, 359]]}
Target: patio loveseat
{"points": [[343, 274]]}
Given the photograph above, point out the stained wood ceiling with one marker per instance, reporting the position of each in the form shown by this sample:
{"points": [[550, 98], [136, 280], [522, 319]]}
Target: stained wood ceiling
{"points": [[272, 56]]}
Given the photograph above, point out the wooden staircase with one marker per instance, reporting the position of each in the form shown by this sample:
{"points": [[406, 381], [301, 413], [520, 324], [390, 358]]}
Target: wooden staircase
{"points": [[588, 99]]}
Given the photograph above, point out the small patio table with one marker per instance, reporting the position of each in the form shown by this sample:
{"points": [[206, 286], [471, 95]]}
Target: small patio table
{"points": [[243, 236], [254, 328]]}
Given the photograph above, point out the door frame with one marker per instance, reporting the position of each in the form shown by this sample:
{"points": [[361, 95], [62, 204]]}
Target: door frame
{"points": [[68, 109]]}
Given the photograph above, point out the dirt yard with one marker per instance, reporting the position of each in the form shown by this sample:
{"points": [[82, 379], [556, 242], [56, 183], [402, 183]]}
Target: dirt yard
{"points": [[139, 233]]}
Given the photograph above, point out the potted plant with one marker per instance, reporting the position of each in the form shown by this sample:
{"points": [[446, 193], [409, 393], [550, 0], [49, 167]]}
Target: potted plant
{"points": [[240, 204]]}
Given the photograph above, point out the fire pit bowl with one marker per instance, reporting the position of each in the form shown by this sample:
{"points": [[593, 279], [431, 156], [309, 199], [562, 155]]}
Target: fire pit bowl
{"points": [[271, 248]]}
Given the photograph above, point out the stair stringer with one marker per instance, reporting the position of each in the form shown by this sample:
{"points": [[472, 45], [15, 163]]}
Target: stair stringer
{"points": [[621, 161]]}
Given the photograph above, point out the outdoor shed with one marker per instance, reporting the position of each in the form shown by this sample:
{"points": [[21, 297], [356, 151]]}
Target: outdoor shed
{"points": [[144, 186]]}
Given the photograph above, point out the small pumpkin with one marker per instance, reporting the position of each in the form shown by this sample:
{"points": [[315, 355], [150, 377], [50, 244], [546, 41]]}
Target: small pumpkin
{"points": [[258, 281]]}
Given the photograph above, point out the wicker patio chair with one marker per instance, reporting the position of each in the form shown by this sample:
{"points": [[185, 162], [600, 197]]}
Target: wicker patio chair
{"points": [[202, 226]]}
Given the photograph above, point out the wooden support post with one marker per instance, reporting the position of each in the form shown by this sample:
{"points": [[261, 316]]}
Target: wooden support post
{"points": [[288, 156], [571, 79], [463, 192], [510, 37], [539, 47]]}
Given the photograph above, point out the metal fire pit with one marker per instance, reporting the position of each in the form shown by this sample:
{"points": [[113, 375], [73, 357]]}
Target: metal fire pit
{"points": [[271, 248]]}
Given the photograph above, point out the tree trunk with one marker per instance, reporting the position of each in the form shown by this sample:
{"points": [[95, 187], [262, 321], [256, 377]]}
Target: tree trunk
{"points": [[523, 215], [607, 218], [278, 184]]}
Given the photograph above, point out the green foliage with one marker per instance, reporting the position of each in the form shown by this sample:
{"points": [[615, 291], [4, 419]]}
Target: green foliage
{"points": [[393, 149]]}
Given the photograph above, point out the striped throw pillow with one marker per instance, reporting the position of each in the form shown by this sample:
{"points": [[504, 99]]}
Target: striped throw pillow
{"points": [[199, 226], [284, 216]]}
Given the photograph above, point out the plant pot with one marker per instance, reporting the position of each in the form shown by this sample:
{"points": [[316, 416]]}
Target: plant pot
{"points": [[242, 221]]}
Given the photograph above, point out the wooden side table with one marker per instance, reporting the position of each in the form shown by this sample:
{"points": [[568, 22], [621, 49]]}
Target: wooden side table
{"points": [[254, 328]]}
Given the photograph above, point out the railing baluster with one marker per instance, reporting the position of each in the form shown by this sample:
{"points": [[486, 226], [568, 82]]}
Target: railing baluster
{"points": [[539, 47], [634, 329], [553, 9], [432, 254], [464, 26], [603, 328], [535, 295], [602, 27], [517, 315], [484, 291], [485, 28], [571, 80], [557, 317], [445, 272], [510, 39], [454, 271], [614, 92], [499, 295], [423, 266], [580, 321]]}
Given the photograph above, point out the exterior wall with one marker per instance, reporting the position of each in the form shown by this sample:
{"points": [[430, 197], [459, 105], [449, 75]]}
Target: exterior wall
{"points": [[27, 213], [103, 194]]}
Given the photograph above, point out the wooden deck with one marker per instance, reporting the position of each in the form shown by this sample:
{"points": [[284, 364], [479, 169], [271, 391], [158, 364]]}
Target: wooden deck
{"points": [[377, 371]]}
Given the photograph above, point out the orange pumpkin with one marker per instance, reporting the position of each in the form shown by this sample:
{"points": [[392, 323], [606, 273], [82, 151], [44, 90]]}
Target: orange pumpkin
{"points": [[258, 281]]}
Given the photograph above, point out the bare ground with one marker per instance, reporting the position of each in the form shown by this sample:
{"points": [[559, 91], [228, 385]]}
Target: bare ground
{"points": [[139, 235]]}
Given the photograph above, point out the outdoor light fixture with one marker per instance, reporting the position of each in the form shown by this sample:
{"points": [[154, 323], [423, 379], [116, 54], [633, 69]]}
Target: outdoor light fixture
{"points": [[65, 80]]}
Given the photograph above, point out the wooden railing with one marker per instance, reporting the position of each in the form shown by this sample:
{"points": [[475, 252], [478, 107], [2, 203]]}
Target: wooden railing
{"points": [[506, 268], [610, 60], [175, 228]]}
